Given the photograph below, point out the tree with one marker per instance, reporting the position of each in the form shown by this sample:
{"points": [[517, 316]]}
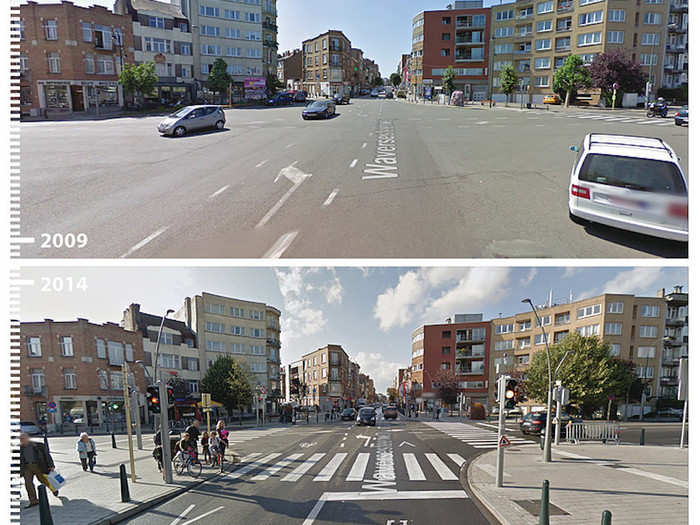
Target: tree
{"points": [[392, 394], [608, 68], [448, 386], [228, 383], [448, 80], [509, 81], [377, 82], [571, 77], [395, 79], [589, 372], [138, 79], [272, 84], [219, 80]]}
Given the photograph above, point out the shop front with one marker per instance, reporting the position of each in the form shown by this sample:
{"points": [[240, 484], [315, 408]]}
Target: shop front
{"points": [[77, 96]]}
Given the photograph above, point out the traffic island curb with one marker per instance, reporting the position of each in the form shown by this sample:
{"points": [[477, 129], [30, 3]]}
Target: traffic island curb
{"points": [[483, 504]]}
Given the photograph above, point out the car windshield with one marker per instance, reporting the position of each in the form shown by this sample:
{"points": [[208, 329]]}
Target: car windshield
{"points": [[348, 411], [648, 175], [319, 104], [366, 411], [181, 113]]}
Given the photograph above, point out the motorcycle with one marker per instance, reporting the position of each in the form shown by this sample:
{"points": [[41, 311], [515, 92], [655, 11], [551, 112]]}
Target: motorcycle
{"points": [[657, 110]]}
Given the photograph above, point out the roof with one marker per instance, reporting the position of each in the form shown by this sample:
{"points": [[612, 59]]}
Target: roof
{"points": [[644, 147], [145, 320], [160, 7]]}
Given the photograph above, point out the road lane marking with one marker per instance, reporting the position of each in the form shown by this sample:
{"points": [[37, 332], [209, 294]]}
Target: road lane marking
{"points": [[289, 145], [482, 122], [364, 145], [193, 520], [353, 163], [385, 162], [330, 198], [357, 472], [144, 242], [443, 470], [457, 459], [261, 164], [297, 178], [182, 515], [330, 468], [274, 469], [414, 471], [219, 192], [303, 468], [253, 465], [280, 246]]}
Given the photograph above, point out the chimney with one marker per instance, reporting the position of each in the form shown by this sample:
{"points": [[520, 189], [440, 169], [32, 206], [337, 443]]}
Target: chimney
{"points": [[678, 289]]}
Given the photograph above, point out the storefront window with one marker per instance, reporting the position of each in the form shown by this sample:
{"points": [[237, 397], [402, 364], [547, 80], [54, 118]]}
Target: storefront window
{"points": [[56, 96]]}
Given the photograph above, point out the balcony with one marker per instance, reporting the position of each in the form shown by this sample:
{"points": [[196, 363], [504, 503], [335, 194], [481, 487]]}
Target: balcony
{"points": [[679, 7], [522, 52], [564, 29], [469, 354], [675, 321], [461, 41], [669, 381], [270, 43], [562, 49], [269, 26], [274, 343], [468, 372], [566, 7]]}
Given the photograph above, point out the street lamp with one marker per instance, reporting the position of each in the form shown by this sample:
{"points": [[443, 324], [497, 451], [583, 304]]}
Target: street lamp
{"points": [[160, 333]]}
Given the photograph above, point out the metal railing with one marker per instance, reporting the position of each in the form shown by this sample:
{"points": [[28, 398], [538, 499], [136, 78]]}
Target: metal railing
{"points": [[578, 432]]}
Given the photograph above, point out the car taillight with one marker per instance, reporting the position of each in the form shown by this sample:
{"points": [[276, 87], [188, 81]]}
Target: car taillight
{"points": [[678, 115], [580, 191], [678, 210]]}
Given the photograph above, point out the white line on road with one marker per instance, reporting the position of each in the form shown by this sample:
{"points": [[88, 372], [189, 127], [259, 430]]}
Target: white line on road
{"points": [[330, 468], [357, 472], [297, 177], [482, 122], [182, 515], [330, 198], [217, 509], [261, 164], [364, 145], [414, 471], [144, 242], [280, 246], [218, 192], [253, 465], [443, 470], [271, 471], [289, 145], [303, 468], [353, 163]]}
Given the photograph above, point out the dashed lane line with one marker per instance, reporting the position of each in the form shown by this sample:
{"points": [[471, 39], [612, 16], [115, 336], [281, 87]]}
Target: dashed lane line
{"points": [[218, 192], [353, 163], [330, 198], [281, 246], [138, 246], [261, 164]]}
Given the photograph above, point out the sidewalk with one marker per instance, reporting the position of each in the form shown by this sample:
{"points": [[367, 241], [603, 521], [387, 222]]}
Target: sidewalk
{"points": [[637, 484]]}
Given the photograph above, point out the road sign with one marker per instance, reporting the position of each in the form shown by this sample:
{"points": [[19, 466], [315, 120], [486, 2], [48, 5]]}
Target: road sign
{"points": [[51, 410], [504, 442], [52, 405]]}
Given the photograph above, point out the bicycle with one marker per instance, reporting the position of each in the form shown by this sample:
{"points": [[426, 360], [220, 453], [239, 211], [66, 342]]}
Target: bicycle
{"points": [[184, 461]]}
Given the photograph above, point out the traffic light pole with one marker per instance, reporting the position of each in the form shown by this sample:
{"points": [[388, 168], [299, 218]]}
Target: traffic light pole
{"points": [[137, 417], [557, 425], [164, 434], [501, 428], [127, 410]]}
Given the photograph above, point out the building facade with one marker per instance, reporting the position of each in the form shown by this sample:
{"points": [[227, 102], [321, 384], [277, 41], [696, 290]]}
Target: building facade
{"points": [[370, 72], [269, 30], [331, 378], [327, 60], [162, 35], [675, 344], [462, 346], [71, 373], [70, 58], [536, 37], [290, 69], [676, 57], [457, 38]]}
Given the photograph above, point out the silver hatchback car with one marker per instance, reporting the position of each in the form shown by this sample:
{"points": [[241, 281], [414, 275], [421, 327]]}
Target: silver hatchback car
{"points": [[192, 118]]}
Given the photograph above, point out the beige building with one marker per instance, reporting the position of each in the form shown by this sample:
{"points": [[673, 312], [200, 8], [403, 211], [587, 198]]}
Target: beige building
{"points": [[634, 327], [416, 71], [327, 63], [269, 33], [246, 330], [536, 37], [331, 378]]}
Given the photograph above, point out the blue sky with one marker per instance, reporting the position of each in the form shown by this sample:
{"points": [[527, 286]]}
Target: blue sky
{"points": [[382, 29], [371, 312]]}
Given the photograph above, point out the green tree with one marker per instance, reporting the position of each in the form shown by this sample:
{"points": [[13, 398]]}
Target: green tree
{"points": [[219, 80], [571, 77], [589, 372], [138, 79], [228, 382], [448, 80], [377, 82], [392, 394], [272, 84], [509, 81], [395, 79]]}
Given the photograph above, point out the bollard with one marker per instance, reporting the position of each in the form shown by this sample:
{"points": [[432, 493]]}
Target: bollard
{"points": [[642, 437], [607, 518], [124, 484], [44, 508], [544, 504], [114, 441], [541, 441]]}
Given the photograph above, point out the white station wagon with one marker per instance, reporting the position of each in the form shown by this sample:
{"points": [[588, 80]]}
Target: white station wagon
{"points": [[631, 183]]}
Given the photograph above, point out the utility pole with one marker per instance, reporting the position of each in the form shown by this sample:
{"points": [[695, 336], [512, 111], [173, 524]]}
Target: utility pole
{"points": [[127, 409], [137, 418], [501, 428]]}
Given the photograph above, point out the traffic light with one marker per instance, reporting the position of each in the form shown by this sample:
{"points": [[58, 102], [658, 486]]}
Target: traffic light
{"points": [[511, 396], [153, 399], [171, 396]]}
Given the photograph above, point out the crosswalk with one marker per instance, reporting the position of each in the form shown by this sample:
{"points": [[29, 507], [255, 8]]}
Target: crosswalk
{"points": [[241, 436], [621, 118], [474, 436], [324, 467]]}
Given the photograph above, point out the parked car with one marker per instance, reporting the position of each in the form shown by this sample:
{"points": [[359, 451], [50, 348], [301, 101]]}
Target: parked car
{"points": [[631, 183], [319, 109], [681, 117], [300, 96], [551, 99], [280, 99], [535, 423], [341, 98], [192, 118], [364, 92], [29, 427], [348, 414], [389, 94], [374, 93], [367, 416], [390, 412]]}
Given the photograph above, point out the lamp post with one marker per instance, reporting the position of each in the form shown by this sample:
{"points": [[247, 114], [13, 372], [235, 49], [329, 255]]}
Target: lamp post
{"points": [[163, 396], [160, 333]]}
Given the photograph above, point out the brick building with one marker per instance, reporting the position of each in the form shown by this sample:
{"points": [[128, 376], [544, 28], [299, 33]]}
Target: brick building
{"points": [[327, 63], [290, 69], [370, 70], [331, 378], [70, 58], [77, 366]]}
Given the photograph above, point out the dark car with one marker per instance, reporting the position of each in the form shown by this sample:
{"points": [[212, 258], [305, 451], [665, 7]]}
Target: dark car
{"points": [[367, 416], [535, 423], [390, 412], [319, 109], [681, 117], [341, 98], [348, 414], [280, 99], [389, 94], [300, 96]]}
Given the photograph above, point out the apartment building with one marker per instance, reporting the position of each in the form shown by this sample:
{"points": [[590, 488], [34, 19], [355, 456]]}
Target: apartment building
{"points": [[367, 391], [328, 64], [70, 58], [370, 71], [357, 74], [162, 35], [536, 37], [462, 346], [269, 35], [456, 37], [331, 378], [77, 365], [230, 30], [675, 345], [245, 330], [676, 57], [290, 69], [633, 326]]}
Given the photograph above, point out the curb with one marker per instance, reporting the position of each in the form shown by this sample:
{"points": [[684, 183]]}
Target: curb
{"points": [[479, 498]]}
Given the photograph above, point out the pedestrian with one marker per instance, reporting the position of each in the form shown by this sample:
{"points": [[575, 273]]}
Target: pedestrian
{"points": [[193, 432], [205, 447], [87, 451], [215, 448], [223, 437], [34, 460]]}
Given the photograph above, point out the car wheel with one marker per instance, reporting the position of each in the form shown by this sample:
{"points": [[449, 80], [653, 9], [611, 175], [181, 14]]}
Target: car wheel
{"points": [[219, 124], [678, 123], [577, 220], [179, 131]]}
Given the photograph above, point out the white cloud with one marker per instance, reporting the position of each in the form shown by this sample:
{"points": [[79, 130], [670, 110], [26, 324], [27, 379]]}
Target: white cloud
{"points": [[334, 292], [397, 306], [300, 317], [529, 277], [379, 369], [635, 280], [571, 271]]}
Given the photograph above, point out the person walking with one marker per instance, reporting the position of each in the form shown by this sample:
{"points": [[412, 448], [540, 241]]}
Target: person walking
{"points": [[87, 451], [223, 437], [34, 461], [205, 448]]}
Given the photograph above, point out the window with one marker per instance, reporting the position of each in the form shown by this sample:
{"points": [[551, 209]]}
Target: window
{"points": [[103, 380], [54, 63], [594, 17], [613, 328], [648, 331], [588, 311], [504, 345], [615, 349], [545, 7], [645, 372], [129, 352], [86, 29], [589, 39], [70, 379], [541, 81], [192, 386], [212, 308], [523, 342], [170, 361], [523, 359], [115, 353], [541, 338], [523, 326], [186, 49], [615, 308], [90, 64], [237, 348], [503, 49], [210, 30], [616, 15], [254, 17], [208, 11], [444, 365], [105, 65], [216, 346], [649, 310], [544, 25], [66, 346], [650, 39], [543, 63], [502, 32], [256, 332], [156, 21], [644, 352], [219, 328], [445, 52], [21, 29], [238, 330], [649, 60], [505, 15], [101, 349], [51, 30], [115, 378], [652, 18], [560, 336], [588, 2], [653, 1], [504, 328], [545, 43], [588, 331]]}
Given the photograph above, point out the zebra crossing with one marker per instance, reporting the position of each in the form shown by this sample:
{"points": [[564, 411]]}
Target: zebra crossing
{"points": [[474, 436], [324, 467], [241, 436], [621, 118]]}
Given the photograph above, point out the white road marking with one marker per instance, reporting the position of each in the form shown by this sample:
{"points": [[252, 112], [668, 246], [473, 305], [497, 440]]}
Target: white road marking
{"points": [[280, 246], [414, 471], [297, 177], [443, 470], [405, 494], [482, 122], [353, 163], [219, 192], [330, 198], [364, 145], [357, 472], [457, 459], [144, 242], [289, 145], [182, 515], [303, 468], [193, 520], [271, 471], [330, 468], [253, 465], [261, 164]]}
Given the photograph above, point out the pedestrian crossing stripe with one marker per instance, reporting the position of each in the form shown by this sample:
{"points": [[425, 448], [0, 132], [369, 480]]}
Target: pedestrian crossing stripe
{"points": [[476, 437]]}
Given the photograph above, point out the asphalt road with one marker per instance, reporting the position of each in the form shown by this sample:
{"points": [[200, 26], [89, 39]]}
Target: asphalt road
{"points": [[337, 474], [469, 182]]}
